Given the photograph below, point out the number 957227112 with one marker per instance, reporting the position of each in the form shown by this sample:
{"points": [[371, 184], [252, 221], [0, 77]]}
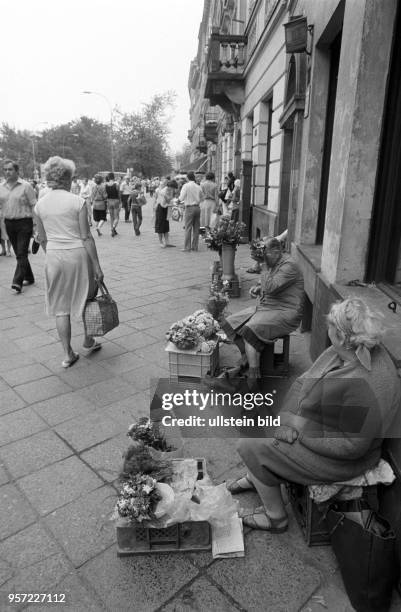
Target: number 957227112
{"points": [[36, 598]]}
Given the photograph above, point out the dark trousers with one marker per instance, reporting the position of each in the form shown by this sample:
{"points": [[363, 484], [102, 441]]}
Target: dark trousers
{"points": [[124, 203], [136, 212], [20, 233]]}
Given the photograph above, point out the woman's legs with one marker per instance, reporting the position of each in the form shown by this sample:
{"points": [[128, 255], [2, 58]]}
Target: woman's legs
{"points": [[253, 357], [63, 325], [271, 497], [161, 239]]}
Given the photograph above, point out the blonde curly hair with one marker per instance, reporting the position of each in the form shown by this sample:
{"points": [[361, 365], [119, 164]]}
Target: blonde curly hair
{"points": [[357, 322], [59, 172]]}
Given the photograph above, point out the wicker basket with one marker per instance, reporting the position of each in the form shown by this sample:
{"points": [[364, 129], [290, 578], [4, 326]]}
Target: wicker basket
{"points": [[100, 314]]}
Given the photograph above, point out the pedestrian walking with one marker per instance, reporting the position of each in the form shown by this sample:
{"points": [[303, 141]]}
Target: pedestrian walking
{"points": [[210, 196], [113, 202], [85, 193], [99, 203], [136, 200], [17, 199], [164, 199], [75, 187], [191, 196], [72, 268], [125, 192]]}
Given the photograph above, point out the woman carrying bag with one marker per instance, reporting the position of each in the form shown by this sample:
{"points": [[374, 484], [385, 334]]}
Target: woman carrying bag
{"points": [[99, 204], [72, 268]]}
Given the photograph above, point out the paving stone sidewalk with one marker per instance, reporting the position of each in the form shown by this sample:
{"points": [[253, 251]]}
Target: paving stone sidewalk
{"points": [[62, 434]]}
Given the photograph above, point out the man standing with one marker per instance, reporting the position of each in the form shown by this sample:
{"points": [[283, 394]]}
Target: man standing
{"points": [[191, 197], [17, 199]]}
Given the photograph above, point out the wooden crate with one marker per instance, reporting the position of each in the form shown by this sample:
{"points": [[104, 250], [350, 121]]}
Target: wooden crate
{"points": [[190, 536], [191, 364], [309, 518]]}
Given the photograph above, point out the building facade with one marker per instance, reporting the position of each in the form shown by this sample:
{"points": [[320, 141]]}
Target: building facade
{"points": [[313, 133]]}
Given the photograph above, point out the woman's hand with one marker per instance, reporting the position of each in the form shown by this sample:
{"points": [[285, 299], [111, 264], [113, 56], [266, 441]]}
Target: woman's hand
{"points": [[255, 291], [286, 434], [99, 276]]}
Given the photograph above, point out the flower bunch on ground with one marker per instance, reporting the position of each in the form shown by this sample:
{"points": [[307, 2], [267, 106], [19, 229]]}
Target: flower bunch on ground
{"points": [[148, 433], [225, 232], [258, 249], [138, 498]]}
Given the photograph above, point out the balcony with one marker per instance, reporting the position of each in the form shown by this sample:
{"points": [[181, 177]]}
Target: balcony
{"points": [[225, 70], [210, 127]]}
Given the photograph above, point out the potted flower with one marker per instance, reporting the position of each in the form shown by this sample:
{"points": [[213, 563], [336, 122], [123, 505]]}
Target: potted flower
{"points": [[224, 238]]}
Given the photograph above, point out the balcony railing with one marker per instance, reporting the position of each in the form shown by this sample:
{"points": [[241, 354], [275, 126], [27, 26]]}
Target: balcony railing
{"points": [[227, 54]]}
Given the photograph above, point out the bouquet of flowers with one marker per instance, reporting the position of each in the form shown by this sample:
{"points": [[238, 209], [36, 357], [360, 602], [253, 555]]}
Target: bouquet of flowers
{"points": [[258, 249], [198, 329], [138, 499], [218, 298], [225, 232], [204, 324], [148, 433], [183, 334]]}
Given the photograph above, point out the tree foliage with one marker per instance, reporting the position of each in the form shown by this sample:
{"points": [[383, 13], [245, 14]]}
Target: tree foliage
{"points": [[140, 141], [142, 136]]}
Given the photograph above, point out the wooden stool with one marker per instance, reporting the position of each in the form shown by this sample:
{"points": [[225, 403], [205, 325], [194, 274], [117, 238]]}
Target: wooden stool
{"points": [[275, 364]]}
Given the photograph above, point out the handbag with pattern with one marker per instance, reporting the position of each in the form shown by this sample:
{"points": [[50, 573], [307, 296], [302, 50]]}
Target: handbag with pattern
{"points": [[100, 314]]}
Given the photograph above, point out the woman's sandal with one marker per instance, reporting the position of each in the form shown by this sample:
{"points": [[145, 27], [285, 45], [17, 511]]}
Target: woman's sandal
{"points": [[235, 487], [91, 349], [260, 520], [67, 363]]}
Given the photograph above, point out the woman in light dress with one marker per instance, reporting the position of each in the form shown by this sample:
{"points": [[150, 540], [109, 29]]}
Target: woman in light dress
{"points": [[72, 267]]}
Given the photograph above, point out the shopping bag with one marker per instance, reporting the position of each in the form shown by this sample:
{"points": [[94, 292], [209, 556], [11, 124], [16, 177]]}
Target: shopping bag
{"points": [[364, 545], [100, 314]]}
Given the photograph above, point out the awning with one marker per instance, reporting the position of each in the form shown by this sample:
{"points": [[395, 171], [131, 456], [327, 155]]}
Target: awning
{"points": [[198, 165]]}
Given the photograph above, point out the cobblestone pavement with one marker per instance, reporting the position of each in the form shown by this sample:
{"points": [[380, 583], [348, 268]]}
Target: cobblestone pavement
{"points": [[62, 433]]}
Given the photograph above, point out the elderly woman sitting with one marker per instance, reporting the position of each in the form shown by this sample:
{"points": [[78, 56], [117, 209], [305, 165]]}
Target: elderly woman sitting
{"points": [[281, 294], [333, 420]]}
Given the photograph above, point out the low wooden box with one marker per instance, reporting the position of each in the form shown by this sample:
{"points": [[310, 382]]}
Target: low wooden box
{"points": [[191, 363]]}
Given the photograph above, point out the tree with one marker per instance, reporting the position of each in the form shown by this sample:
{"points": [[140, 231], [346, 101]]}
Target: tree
{"points": [[85, 141], [141, 137], [19, 146], [183, 157]]}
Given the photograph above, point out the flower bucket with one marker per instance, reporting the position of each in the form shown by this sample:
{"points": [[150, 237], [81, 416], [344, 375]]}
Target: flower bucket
{"points": [[228, 258]]}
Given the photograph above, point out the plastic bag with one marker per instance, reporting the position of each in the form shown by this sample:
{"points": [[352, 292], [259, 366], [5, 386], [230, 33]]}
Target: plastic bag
{"points": [[216, 504]]}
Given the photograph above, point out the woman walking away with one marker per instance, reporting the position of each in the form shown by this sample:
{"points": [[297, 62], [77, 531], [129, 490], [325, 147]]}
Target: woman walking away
{"points": [[163, 201], [209, 204], [113, 202], [72, 268], [99, 203]]}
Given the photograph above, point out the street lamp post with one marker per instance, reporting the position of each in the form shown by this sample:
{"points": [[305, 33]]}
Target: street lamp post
{"points": [[96, 93], [35, 172]]}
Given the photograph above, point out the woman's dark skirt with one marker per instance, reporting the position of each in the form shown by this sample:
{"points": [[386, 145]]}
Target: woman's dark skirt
{"points": [[162, 226]]}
